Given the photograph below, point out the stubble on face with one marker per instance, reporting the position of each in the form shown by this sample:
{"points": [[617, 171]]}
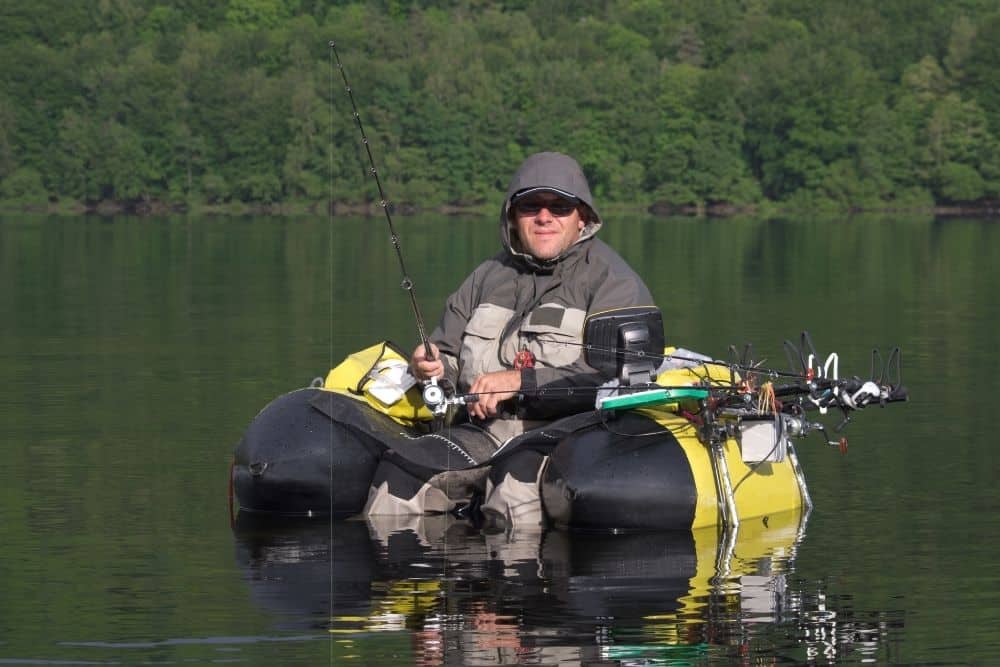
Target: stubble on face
{"points": [[545, 236]]}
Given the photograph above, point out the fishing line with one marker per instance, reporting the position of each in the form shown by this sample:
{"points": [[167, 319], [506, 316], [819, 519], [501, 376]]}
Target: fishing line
{"points": [[407, 283], [329, 209], [562, 392], [698, 361]]}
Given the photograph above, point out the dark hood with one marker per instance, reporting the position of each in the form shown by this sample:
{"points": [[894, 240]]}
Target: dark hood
{"points": [[553, 172]]}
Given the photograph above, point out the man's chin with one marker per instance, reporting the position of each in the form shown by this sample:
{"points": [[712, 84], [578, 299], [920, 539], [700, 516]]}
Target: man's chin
{"points": [[545, 254]]}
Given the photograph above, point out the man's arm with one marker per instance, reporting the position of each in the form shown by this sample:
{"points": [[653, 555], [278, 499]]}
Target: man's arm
{"points": [[446, 339]]}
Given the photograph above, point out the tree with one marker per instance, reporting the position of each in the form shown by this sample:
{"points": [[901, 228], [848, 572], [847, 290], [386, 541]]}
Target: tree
{"points": [[963, 34], [24, 185], [957, 141], [693, 101], [307, 154], [7, 118], [674, 139], [126, 171], [981, 67], [959, 183], [804, 112], [78, 157]]}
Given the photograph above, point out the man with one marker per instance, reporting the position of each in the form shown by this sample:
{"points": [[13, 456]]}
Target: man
{"points": [[514, 328]]}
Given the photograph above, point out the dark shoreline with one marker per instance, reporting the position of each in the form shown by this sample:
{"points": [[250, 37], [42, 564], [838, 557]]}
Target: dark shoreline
{"points": [[990, 208]]}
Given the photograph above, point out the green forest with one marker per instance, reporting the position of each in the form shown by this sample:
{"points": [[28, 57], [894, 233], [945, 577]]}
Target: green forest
{"points": [[703, 105]]}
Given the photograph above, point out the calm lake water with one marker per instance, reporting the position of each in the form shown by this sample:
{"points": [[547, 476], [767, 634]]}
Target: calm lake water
{"points": [[133, 353]]}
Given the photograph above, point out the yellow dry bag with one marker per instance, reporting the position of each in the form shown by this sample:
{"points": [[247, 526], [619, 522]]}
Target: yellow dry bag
{"points": [[380, 375]]}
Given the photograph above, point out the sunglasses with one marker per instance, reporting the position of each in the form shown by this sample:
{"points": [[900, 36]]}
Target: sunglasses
{"points": [[560, 208]]}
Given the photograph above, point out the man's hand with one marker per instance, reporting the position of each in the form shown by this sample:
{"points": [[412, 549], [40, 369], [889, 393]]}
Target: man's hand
{"points": [[424, 368], [493, 388]]}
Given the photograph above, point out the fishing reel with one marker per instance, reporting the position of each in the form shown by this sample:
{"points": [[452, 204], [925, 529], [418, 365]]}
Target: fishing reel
{"points": [[437, 401], [767, 415], [824, 389], [434, 397], [764, 436], [855, 394]]}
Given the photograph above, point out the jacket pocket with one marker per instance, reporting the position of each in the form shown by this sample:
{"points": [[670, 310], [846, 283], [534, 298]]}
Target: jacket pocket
{"points": [[488, 321], [555, 340], [481, 340]]}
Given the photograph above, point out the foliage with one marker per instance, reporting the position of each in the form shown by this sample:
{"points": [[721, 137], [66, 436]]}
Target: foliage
{"points": [[683, 102], [25, 185]]}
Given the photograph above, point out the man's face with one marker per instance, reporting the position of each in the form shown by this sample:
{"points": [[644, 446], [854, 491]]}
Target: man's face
{"points": [[547, 224]]}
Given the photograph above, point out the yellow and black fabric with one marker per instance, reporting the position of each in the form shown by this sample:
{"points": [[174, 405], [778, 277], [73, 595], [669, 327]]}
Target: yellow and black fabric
{"points": [[359, 373]]}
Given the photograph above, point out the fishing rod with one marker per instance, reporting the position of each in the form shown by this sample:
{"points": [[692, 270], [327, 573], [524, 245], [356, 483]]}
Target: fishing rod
{"points": [[854, 393], [816, 387], [407, 283], [746, 366], [816, 375]]}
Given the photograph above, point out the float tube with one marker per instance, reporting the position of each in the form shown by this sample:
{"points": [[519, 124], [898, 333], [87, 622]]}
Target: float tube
{"points": [[702, 446]]}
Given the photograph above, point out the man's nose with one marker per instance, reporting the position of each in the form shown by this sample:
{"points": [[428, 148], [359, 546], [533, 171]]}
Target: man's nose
{"points": [[544, 215]]}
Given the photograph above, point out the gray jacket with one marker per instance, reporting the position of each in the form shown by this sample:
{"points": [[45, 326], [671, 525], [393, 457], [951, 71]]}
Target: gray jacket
{"points": [[513, 302]]}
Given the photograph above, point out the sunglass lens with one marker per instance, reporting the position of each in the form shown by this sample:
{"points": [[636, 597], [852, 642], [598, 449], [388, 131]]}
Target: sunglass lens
{"points": [[559, 208]]}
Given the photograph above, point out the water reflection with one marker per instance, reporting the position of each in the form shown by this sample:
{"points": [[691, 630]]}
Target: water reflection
{"points": [[461, 597]]}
